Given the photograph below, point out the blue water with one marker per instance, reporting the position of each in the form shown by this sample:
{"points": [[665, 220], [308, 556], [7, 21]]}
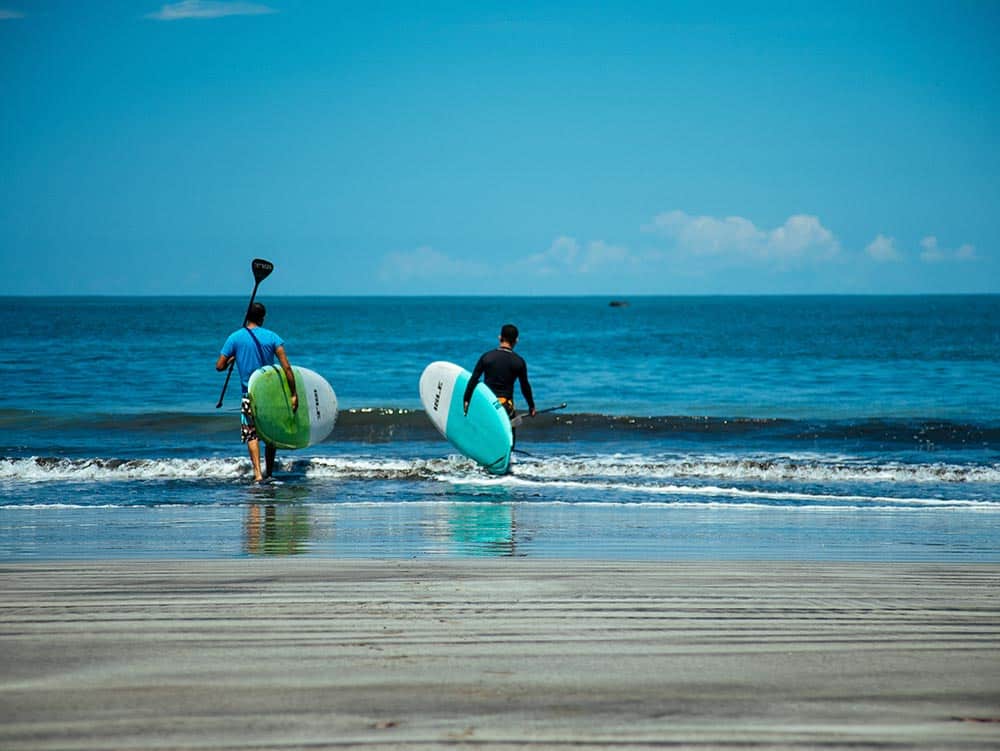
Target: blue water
{"points": [[812, 428]]}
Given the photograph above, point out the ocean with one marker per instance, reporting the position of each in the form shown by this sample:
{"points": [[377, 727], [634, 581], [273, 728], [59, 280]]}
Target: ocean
{"points": [[696, 428]]}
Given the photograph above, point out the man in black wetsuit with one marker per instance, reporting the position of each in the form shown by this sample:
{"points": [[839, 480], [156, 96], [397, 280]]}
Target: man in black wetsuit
{"points": [[500, 367]]}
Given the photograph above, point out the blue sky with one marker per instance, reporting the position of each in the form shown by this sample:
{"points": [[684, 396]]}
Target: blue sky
{"points": [[499, 148]]}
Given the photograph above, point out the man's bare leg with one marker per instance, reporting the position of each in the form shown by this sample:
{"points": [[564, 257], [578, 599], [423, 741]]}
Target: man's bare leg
{"points": [[254, 448]]}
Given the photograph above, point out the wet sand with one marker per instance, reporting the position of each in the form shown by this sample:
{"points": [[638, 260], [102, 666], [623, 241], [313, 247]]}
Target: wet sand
{"points": [[498, 654]]}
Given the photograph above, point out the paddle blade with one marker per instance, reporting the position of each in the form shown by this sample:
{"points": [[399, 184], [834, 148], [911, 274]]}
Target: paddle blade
{"points": [[261, 269]]}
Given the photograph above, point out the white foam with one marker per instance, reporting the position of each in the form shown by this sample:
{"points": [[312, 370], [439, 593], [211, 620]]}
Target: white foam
{"points": [[741, 493], [35, 470], [355, 467], [57, 506], [683, 479], [797, 468], [810, 469]]}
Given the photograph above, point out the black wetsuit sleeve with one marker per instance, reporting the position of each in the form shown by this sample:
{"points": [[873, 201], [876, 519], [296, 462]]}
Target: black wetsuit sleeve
{"points": [[477, 373], [526, 387]]}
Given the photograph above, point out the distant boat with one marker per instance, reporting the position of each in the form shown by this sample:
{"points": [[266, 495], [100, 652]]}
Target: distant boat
{"points": [[618, 303]]}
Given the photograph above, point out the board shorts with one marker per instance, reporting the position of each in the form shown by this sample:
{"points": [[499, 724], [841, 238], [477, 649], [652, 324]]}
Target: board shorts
{"points": [[508, 405], [248, 431]]}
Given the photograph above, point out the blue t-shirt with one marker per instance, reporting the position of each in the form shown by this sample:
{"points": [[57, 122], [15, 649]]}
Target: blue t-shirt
{"points": [[248, 357]]}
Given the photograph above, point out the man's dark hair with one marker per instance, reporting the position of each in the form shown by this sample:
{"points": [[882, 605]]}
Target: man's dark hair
{"points": [[256, 313], [509, 333]]}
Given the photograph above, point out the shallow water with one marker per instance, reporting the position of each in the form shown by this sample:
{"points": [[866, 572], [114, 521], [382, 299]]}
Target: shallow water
{"points": [[713, 428]]}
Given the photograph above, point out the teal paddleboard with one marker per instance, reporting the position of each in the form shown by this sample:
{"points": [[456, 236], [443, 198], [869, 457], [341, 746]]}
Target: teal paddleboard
{"points": [[484, 435]]}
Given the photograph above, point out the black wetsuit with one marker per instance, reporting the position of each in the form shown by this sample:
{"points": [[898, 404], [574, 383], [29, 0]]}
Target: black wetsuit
{"points": [[501, 367]]}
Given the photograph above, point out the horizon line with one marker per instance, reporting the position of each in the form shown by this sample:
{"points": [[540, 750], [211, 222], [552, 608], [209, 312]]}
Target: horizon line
{"points": [[610, 298]]}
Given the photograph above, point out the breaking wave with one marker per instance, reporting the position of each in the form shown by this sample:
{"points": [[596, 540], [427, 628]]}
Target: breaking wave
{"points": [[577, 468]]}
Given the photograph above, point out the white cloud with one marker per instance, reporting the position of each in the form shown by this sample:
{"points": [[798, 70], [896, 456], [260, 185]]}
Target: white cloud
{"points": [[208, 9], [8, 15], [706, 235], [427, 264], [933, 252], [560, 257], [565, 259], [567, 256], [801, 236], [966, 252], [883, 248], [601, 255], [570, 264]]}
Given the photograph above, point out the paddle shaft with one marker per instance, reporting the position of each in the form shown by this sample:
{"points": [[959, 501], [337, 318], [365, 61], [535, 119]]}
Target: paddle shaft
{"points": [[520, 418], [550, 409], [260, 273]]}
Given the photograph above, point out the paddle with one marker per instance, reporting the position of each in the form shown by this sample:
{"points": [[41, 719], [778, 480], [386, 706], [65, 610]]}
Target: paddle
{"points": [[520, 418], [261, 270]]}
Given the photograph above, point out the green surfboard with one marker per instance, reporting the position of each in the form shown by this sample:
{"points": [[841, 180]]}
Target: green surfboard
{"points": [[270, 403]]}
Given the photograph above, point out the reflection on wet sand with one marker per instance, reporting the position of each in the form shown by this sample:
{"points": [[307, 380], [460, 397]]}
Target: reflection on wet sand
{"points": [[276, 529], [280, 520], [487, 529]]}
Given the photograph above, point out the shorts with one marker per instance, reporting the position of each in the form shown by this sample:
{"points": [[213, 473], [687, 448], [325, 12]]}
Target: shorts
{"points": [[508, 405], [248, 431]]}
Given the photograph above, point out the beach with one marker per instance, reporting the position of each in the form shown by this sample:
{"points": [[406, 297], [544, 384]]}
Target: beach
{"points": [[745, 531], [503, 653]]}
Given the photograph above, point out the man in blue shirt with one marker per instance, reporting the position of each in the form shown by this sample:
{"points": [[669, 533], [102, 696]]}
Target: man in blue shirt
{"points": [[253, 347]]}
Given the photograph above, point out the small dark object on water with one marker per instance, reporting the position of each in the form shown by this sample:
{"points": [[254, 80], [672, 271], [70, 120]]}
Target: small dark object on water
{"points": [[618, 303]]}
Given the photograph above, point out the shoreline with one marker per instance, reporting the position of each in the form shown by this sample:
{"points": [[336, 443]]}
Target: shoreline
{"points": [[504, 653]]}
